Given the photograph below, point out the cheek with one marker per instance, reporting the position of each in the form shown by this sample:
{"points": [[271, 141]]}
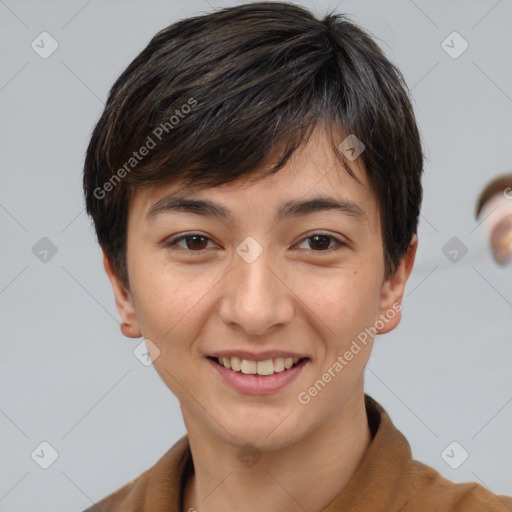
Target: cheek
{"points": [[165, 308], [345, 300], [172, 305], [349, 307], [168, 309], [155, 289]]}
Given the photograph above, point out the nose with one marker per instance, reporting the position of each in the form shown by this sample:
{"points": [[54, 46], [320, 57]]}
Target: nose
{"points": [[256, 298]]}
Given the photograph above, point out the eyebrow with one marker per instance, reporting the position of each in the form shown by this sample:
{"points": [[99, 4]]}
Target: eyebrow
{"points": [[295, 208]]}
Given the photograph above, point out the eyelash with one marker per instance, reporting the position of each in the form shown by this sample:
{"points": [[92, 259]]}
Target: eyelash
{"points": [[173, 241]]}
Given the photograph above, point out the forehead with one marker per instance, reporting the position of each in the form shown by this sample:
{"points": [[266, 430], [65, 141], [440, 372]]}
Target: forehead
{"points": [[313, 170]]}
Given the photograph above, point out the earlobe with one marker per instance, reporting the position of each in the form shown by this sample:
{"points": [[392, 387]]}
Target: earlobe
{"points": [[124, 303], [393, 290]]}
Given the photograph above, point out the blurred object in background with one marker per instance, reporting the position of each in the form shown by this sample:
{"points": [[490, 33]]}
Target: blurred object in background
{"points": [[494, 207]]}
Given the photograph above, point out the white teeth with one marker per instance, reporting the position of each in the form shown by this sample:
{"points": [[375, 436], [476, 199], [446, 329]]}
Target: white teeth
{"points": [[235, 364], [248, 366], [267, 367], [279, 364]]}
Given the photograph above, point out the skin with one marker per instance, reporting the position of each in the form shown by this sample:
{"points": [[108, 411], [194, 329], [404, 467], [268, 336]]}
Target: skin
{"points": [[501, 240], [295, 296]]}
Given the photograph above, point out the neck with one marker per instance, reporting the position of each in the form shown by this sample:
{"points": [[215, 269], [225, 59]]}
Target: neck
{"points": [[282, 479]]}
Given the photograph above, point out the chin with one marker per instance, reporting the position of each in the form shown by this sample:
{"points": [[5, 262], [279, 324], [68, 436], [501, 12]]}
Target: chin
{"points": [[265, 435]]}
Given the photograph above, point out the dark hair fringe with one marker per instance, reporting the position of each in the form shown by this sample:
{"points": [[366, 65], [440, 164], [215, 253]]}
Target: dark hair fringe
{"points": [[263, 75]]}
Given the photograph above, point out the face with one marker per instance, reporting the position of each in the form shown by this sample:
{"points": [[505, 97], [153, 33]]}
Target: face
{"points": [[261, 276]]}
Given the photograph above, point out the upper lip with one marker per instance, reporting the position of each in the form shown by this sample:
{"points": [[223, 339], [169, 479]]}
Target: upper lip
{"points": [[261, 356]]}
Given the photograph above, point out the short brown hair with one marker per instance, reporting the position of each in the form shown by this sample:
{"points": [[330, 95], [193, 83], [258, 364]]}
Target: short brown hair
{"points": [[498, 185], [211, 96]]}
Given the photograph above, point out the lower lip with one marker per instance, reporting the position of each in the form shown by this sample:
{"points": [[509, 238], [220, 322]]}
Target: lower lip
{"points": [[259, 384]]}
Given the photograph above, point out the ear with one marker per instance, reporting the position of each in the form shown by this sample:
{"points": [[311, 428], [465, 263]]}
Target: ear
{"points": [[393, 290], [124, 303]]}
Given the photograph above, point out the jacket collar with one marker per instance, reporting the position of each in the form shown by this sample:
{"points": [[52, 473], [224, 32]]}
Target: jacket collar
{"points": [[381, 483]]}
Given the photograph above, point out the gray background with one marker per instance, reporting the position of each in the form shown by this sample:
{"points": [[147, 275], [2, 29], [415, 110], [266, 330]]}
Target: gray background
{"points": [[68, 376]]}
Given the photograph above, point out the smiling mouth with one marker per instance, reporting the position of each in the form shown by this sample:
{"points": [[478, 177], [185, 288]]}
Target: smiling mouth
{"points": [[260, 368]]}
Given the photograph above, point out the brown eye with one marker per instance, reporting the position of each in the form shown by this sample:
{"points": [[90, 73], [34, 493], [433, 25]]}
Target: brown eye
{"points": [[321, 242], [194, 242]]}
